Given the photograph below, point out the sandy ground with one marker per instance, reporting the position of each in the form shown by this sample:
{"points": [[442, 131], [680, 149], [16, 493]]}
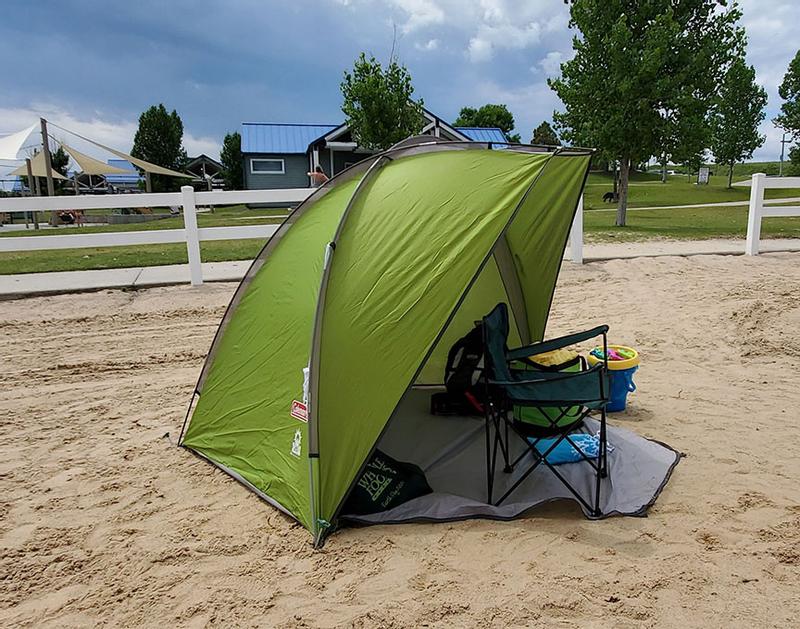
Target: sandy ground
{"points": [[103, 521]]}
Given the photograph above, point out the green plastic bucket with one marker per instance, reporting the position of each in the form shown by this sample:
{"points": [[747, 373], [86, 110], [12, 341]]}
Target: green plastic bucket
{"points": [[536, 416]]}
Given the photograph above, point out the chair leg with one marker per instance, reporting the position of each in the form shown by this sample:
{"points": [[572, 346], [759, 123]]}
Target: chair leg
{"points": [[603, 444], [507, 450], [602, 463], [489, 470]]}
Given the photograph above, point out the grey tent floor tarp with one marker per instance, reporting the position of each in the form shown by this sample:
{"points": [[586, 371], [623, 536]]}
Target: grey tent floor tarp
{"points": [[452, 453]]}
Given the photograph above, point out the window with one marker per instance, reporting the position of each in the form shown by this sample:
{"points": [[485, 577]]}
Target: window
{"points": [[267, 167]]}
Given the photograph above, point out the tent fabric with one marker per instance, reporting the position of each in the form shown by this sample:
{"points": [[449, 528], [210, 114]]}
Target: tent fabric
{"points": [[368, 283], [396, 278], [38, 168], [266, 341], [11, 145], [92, 166]]}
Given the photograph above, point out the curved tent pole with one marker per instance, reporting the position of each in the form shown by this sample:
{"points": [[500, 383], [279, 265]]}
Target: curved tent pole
{"points": [[316, 336], [447, 322]]}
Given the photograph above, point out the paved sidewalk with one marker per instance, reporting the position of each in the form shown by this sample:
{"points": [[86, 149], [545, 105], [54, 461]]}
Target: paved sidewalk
{"points": [[30, 284]]}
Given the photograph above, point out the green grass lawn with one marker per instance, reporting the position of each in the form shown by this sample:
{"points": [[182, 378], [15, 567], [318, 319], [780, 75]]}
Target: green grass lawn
{"points": [[683, 224], [234, 215], [121, 257], [648, 191]]}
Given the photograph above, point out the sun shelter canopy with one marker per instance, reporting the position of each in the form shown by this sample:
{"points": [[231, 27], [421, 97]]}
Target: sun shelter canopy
{"points": [[92, 166], [38, 168], [11, 145], [368, 284], [145, 166]]}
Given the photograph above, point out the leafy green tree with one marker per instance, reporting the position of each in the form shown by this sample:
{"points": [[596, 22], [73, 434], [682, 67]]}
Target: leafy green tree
{"points": [[59, 160], [232, 162], [159, 140], [489, 116], [545, 134], [789, 118], [378, 103], [738, 111], [637, 65]]}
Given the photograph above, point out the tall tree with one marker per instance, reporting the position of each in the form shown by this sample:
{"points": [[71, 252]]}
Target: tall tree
{"points": [[545, 134], [789, 118], [489, 115], [232, 162], [738, 111], [378, 103], [159, 140], [637, 65]]}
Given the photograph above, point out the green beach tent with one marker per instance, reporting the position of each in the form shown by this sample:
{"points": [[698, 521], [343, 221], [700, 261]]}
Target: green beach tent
{"points": [[343, 323]]}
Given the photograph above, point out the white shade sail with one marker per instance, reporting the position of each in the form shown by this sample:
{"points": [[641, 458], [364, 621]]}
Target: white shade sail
{"points": [[145, 166], [38, 167], [92, 166], [11, 145]]}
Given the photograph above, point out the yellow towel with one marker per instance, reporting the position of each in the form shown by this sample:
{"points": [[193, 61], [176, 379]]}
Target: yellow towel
{"points": [[555, 357]]}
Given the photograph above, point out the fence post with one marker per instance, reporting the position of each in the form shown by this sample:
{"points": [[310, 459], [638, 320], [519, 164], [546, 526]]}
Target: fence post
{"points": [[576, 235], [192, 236], [754, 214]]}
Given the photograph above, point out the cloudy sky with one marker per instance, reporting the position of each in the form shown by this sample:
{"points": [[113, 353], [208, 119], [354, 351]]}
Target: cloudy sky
{"points": [[93, 66]]}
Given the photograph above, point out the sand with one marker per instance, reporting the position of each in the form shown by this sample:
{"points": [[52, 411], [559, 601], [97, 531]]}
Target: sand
{"points": [[103, 521]]}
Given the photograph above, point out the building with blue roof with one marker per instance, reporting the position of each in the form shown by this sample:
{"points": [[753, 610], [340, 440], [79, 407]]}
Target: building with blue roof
{"points": [[280, 155], [124, 183]]}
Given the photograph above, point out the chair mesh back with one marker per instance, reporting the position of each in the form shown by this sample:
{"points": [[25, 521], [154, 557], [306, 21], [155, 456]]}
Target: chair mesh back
{"points": [[495, 334]]}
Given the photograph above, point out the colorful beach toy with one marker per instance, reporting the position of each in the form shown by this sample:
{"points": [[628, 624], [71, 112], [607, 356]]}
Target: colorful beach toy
{"points": [[622, 364]]}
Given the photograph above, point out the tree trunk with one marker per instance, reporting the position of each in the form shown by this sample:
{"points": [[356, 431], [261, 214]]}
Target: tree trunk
{"points": [[730, 176], [664, 169], [624, 174], [616, 180]]}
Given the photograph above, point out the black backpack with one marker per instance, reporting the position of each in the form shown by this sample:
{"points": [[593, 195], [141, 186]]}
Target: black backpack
{"points": [[462, 375]]}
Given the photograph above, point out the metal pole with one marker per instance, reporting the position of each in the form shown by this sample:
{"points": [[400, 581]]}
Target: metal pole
{"points": [[31, 189], [48, 168], [783, 148]]}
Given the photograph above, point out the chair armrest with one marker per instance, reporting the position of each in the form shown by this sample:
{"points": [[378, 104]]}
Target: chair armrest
{"points": [[557, 343]]}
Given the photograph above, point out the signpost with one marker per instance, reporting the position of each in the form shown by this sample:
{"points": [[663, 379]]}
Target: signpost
{"points": [[702, 175]]}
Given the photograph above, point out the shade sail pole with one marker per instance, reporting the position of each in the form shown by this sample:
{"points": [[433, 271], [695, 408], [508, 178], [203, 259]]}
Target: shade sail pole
{"points": [[32, 190], [48, 166]]}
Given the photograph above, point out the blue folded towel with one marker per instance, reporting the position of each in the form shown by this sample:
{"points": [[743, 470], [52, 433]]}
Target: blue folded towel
{"points": [[564, 452]]}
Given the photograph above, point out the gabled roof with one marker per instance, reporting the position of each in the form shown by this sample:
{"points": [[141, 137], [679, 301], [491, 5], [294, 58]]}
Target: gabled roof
{"points": [[288, 138], [484, 134], [201, 159], [270, 137]]}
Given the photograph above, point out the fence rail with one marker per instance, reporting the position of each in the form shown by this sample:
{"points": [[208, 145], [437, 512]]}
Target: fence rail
{"points": [[757, 211]]}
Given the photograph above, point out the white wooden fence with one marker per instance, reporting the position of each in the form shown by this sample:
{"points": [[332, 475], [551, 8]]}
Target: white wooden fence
{"points": [[190, 234], [758, 210]]}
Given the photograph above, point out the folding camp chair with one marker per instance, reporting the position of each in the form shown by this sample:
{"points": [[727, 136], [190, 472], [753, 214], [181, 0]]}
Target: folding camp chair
{"points": [[509, 382]]}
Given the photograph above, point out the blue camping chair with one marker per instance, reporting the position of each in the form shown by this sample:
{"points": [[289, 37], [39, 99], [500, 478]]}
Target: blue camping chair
{"points": [[511, 380]]}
